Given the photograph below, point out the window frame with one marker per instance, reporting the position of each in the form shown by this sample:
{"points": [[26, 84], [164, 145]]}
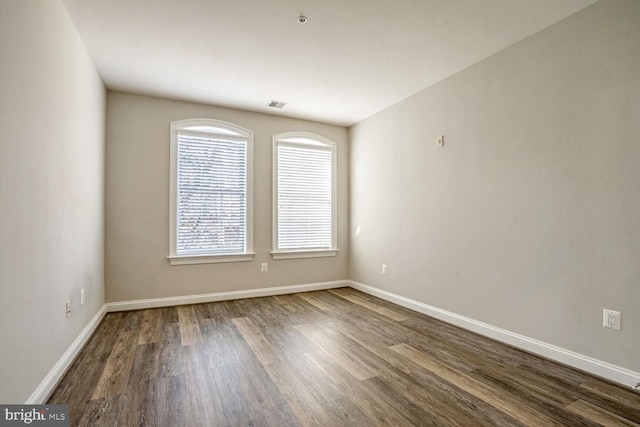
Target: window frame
{"points": [[304, 138], [217, 128]]}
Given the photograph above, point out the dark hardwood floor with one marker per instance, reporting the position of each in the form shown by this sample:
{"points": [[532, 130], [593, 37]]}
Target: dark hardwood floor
{"points": [[327, 358]]}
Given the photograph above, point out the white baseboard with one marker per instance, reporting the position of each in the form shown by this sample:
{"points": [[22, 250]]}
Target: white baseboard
{"points": [[53, 378], [594, 366], [222, 296], [55, 375], [597, 367]]}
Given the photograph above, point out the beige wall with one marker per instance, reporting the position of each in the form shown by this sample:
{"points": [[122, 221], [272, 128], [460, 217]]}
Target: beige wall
{"points": [[52, 109], [529, 218], [137, 204]]}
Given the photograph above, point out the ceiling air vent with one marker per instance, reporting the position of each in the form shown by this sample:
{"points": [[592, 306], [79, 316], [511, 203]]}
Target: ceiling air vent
{"points": [[276, 104]]}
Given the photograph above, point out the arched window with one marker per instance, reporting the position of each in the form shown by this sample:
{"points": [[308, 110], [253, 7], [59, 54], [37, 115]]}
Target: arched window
{"points": [[211, 192], [304, 196]]}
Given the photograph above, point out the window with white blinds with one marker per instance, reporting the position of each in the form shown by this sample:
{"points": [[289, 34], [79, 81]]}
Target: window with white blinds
{"points": [[211, 188], [304, 195]]}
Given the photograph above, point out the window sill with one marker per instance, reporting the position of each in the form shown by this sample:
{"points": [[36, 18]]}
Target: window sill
{"points": [[315, 253], [209, 259]]}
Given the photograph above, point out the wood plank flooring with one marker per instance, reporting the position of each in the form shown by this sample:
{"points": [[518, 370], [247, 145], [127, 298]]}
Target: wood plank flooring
{"points": [[326, 358]]}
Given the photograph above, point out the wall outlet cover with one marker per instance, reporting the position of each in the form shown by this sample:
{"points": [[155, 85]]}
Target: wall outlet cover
{"points": [[611, 319]]}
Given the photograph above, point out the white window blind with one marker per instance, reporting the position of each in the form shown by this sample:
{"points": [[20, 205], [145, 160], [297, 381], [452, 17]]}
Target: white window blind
{"points": [[305, 217], [211, 192], [212, 195]]}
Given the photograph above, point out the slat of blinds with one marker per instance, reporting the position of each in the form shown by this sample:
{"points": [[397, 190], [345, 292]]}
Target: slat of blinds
{"points": [[212, 186], [304, 197]]}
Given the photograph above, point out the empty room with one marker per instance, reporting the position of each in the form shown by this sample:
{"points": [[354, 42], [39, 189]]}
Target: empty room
{"points": [[322, 213]]}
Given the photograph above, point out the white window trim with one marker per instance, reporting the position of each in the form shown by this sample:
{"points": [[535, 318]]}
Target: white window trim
{"points": [[245, 135], [300, 138], [304, 254]]}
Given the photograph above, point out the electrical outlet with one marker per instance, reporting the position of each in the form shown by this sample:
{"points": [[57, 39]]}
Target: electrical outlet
{"points": [[611, 319], [81, 296], [264, 267], [68, 308], [384, 268], [440, 142]]}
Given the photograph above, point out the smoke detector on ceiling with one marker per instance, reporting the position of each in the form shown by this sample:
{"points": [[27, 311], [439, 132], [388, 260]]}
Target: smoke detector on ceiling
{"points": [[276, 104]]}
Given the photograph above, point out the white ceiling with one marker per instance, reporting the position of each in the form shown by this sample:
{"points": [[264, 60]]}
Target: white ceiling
{"points": [[352, 59]]}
